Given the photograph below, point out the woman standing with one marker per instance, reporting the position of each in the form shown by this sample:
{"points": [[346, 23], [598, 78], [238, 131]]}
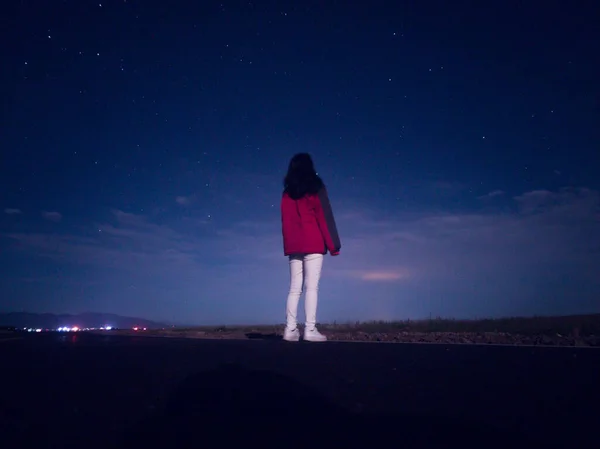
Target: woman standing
{"points": [[309, 231]]}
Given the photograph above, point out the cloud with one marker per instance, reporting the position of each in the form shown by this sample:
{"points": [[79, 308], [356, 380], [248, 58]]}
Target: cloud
{"points": [[568, 203], [530, 201], [183, 200], [549, 227], [12, 211], [492, 194], [390, 275], [52, 216], [541, 256]]}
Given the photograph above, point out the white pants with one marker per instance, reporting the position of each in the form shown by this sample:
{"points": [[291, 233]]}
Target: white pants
{"points": [[304, 271]]}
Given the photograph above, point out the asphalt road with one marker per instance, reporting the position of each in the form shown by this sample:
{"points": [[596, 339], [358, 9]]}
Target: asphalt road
{"points": [[103, 391]]}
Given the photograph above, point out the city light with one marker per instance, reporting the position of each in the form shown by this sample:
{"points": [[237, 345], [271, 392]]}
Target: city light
{"points": [[79, 329], [68, 329]]}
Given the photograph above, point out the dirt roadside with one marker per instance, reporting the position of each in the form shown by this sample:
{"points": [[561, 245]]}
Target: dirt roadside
{"points": [[498, 338]]}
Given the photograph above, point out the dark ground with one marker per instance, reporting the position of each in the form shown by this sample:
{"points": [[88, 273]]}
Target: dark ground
{"points": [[81, 390]]}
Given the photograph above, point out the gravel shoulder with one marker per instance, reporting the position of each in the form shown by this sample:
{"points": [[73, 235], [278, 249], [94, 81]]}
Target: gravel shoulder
{"points": [[468, 338], [566, 331]]}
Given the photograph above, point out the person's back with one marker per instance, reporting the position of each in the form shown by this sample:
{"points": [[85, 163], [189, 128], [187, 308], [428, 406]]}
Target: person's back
{"points": [[309, 231], [308, 224]]}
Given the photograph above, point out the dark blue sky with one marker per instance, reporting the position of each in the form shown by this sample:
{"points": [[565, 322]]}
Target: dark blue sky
{"points": [[143, 146]]}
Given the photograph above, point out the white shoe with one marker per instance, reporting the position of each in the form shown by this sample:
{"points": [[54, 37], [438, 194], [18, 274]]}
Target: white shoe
{"points": [[313, 335], [291, 334]]}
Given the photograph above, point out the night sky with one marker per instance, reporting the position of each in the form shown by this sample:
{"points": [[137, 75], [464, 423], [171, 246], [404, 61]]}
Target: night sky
{"points": [[143, 146]]}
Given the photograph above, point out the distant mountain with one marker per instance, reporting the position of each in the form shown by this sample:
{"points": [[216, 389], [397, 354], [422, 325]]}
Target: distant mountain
{"points": [[54, 321]]}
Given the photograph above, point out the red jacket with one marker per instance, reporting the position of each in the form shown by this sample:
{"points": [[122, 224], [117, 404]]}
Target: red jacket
{"points": [[308, 225]]}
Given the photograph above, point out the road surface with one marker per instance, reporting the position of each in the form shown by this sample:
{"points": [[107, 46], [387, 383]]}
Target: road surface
{"points": [[79, 390]]}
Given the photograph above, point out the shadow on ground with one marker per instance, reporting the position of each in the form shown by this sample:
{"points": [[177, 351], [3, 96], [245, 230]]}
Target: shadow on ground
{"points": [[234, 406], [263, 336]]}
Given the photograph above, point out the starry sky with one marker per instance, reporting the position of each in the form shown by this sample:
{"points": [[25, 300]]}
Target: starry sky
{"points": [[143, 146]]}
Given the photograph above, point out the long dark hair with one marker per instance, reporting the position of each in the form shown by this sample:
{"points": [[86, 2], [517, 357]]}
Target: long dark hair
{"points": [[301, 178]]}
